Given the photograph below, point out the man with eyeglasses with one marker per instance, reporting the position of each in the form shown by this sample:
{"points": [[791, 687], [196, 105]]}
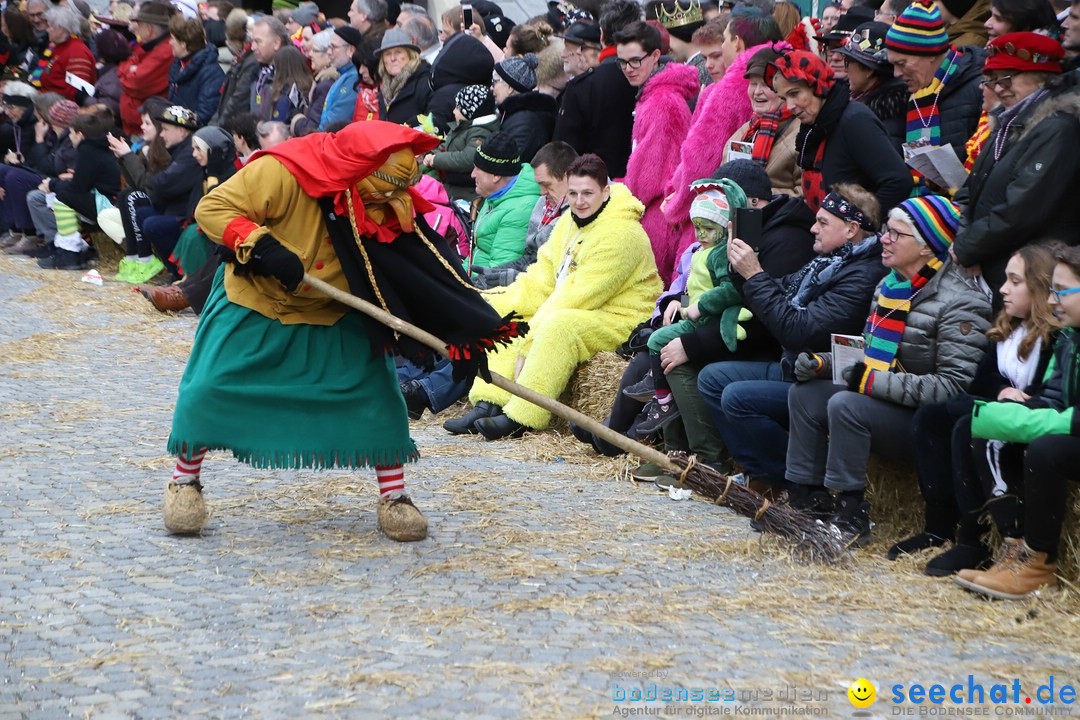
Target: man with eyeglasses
{"points": [[596, 114], [661, 123], [35, 13], [341, 100], [946, 99]]}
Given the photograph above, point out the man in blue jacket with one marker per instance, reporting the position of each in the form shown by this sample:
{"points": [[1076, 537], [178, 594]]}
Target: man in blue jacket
{"points": [[341, 100]]}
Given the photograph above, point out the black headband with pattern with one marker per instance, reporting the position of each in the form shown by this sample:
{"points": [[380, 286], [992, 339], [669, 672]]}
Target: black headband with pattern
{"points": [[843, 209]]}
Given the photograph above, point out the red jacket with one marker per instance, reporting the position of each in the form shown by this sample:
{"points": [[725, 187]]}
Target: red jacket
{"points": [[71, 56], [143, 75]]}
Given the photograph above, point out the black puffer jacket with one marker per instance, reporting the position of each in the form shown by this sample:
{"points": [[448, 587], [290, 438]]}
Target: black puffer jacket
{"points": [[1025, 194], [529, 118], [961, 102], [412, 99], [463, 61], [95, 169], [837, 306], [888, 100]]}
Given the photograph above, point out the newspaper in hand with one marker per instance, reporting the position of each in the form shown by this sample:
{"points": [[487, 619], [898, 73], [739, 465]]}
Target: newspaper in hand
{"points": [[939, 164], [847, 350]]}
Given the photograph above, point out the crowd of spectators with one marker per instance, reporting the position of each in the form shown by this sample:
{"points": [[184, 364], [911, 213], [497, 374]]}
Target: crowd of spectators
{"points": [[718, 191]]}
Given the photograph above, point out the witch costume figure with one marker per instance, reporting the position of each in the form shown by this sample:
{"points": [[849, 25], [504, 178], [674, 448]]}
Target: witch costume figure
{"points": [[283, 376]]}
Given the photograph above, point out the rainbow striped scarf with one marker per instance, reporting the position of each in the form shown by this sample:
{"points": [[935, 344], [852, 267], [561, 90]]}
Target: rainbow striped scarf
{"points": [[44, 64], [923, 115], [885, 326]]}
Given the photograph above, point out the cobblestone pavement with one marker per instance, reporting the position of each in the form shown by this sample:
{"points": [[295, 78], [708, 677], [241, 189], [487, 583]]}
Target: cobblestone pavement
{"points": [[548, 586]]}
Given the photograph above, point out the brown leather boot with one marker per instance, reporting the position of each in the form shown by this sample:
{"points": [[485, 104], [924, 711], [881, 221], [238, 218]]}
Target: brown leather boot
{"points": [[166, 298], [1016, 576], [1005, 553]]}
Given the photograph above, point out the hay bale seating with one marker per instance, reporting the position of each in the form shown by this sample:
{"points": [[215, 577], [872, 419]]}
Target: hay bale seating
{"points": [[109, 253], [893, 491]]}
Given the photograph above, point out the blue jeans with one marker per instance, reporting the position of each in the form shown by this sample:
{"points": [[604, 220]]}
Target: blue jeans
{"points": [[748, 401], [439, 385]]}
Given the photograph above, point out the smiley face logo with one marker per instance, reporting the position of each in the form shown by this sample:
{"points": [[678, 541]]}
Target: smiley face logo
{"points": [[862, 693]]}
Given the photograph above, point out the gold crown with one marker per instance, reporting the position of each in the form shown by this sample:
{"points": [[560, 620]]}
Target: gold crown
{"points": [[680, 16]]}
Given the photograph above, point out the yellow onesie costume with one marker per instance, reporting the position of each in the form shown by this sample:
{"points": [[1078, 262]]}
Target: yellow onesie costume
{"points": [[588, 288]]}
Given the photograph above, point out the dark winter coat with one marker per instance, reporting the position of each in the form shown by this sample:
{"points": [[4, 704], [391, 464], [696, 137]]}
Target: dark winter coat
{"points": [[170, 189], [888, 100], [195, 83], [960, 104], [989, 381], [309, 123], [529, 118], [95, 169], [837, 306], [454, 158], [236, 90], [54, 156], [1025, 195], [412, 99], [786, 245], [597, 115], [107, 90], [462, 61], [859, 151], [25, 132]]}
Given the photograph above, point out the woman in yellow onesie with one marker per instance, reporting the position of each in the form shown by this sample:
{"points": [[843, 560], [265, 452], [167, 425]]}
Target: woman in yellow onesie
{"points": [[591, 284]]}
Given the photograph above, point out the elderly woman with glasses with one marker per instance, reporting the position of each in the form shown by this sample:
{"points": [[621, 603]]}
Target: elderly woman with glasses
{"points": [[1021, 185], [923, 341]]}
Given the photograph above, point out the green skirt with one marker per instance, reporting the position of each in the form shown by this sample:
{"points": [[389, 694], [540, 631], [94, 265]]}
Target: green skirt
{"points": [[288, 396], [192, 249]]}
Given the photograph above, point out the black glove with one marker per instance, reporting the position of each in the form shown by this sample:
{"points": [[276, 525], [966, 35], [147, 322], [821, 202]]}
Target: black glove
{"points": [[854, 375], [269, 257]]}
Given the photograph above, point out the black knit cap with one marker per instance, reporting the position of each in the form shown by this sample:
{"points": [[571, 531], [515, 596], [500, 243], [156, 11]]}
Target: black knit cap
{"points": [[350, 35], [748, 175], [499, 155]]}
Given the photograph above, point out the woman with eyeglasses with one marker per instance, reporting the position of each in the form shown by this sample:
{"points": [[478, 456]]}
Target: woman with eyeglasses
{"points": [[960, 478], [324, 74], [1021, 185], [923, 340], [1049, 427]]}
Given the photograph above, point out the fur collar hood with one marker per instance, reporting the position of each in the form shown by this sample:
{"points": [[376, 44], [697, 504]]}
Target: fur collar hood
{"points": [[1064, 97]]}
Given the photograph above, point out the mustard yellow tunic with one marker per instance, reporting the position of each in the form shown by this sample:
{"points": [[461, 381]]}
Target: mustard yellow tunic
{"points": [[284, 379]]}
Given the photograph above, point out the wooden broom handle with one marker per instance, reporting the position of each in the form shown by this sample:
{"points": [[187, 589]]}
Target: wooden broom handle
{"points": [[553, 406]]}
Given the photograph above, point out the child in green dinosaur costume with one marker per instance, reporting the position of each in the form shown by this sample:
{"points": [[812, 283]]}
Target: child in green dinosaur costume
{"points": [[712, 295]]}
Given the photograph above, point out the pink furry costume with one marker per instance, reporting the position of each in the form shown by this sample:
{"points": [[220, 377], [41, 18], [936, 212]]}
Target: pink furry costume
{"points": [[661, 121], [722, 109]]}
